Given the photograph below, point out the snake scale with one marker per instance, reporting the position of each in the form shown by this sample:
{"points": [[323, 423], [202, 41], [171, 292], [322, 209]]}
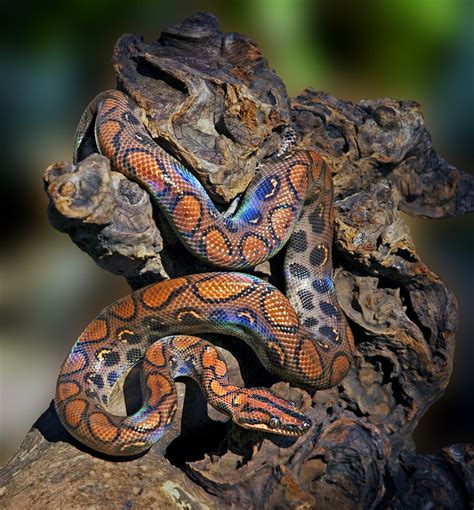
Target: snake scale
{"points": [[288, 202]]}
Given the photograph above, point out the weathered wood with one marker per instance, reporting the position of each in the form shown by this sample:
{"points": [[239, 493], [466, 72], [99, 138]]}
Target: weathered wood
{"points": [[212, 101]]}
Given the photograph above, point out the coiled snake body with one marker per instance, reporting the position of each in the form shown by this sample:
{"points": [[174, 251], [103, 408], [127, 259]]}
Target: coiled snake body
{"points": [[310, 348]]}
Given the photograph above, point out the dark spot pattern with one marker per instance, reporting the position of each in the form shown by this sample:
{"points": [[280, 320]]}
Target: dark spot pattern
{"points": [[111, 358], [306, 299], [316, 220], [310, 322], [299, 271], [317, 255], [98, 381], [133, 355], [89, 392], [324, 285], [299, 241], [328, 309], [328, 333], [112, 378]]}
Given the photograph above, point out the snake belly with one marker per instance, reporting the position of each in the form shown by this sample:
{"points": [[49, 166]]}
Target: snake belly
{"points": [[311, 348]]}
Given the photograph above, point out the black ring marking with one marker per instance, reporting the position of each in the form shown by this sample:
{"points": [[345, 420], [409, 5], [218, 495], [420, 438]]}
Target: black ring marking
{"points": [[202, 242], [270, 221], [195, 290]]}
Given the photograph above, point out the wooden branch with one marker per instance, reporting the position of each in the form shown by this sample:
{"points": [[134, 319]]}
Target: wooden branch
{"points": [[211, 100]]}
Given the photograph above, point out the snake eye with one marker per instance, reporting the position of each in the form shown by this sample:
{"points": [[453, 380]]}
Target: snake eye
{"points": [[273, 422]]}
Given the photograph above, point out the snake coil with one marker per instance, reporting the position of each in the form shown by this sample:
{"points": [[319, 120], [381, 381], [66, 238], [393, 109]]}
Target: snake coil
{"points": [[289, 202]]}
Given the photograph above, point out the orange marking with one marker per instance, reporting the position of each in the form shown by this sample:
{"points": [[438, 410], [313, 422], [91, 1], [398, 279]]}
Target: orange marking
{"points": [[187, 213], [326, 253], [100, 354], [209, 358], [102, 428], [327, 176], [216, 245], [317, 165], [145, 165], [248, 316], [185, 342], [239, 399], [279, 310], [123, 333], [125, 308], [281, 220], [75, 362], [254, 248], [350, 338], [340, 366], [186, 313], [274, 183], [67, 389], [153, 421], [106, 105], [96, 330], [220, 368], [298, 179], [255, 414], [73, 411], [159, 386], [106, 136], [221, 287], [218, 388], [155, 354], [308, 359], [157, 294]]}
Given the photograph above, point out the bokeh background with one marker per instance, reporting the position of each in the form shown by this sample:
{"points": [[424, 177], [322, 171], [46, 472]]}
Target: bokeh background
{"points": [[55, 56]]}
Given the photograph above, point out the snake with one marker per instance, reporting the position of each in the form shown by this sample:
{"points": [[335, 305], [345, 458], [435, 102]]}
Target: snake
{"points": [[302, 337]]}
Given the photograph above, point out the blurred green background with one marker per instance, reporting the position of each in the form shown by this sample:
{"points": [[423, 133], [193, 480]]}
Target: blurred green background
{"points": [[55, 57]]}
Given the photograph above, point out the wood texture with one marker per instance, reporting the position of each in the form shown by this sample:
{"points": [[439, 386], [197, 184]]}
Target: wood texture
{"points": [[212, 101]]}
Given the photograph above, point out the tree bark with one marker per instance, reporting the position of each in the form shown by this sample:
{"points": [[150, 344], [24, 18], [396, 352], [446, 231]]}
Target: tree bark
{"points": [[211, 100]]}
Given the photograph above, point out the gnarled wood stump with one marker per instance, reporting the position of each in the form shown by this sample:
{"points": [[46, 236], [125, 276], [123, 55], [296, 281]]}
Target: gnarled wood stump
{"points": [[210, 99]]}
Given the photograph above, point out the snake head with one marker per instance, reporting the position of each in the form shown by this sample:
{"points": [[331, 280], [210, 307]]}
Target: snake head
{"points": [[264, 410]]}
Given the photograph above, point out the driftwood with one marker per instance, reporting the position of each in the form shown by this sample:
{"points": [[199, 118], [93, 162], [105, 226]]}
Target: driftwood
{"points": [[211, 100]]}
